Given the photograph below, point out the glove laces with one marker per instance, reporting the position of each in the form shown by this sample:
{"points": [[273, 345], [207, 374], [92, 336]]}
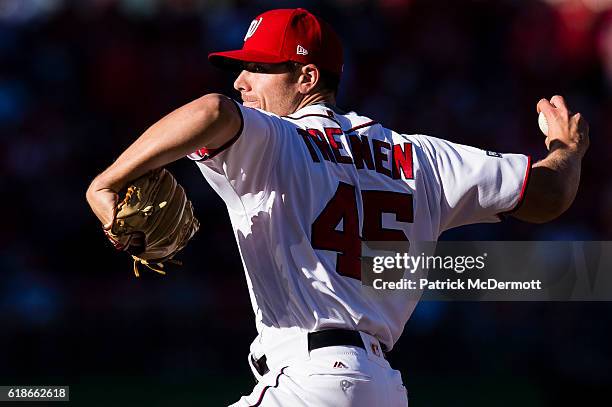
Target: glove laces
{"points": [[156, 267]]}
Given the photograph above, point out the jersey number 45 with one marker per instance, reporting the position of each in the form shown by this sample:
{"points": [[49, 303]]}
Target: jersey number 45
{"points": [[347, 242]]}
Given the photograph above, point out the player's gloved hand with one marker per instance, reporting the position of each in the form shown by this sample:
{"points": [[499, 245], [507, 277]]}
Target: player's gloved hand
{"points": [[153, 220], [103, 202], [565, 129]]}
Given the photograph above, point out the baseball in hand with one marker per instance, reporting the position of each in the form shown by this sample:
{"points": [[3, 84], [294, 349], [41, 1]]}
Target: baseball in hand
{"points": [[543, 123]]}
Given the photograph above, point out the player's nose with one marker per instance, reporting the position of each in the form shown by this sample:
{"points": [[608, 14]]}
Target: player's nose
{"points": [[241, 84]]}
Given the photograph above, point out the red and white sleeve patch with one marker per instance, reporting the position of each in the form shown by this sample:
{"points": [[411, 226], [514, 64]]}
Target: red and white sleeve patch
{"points": [[201, 154]]}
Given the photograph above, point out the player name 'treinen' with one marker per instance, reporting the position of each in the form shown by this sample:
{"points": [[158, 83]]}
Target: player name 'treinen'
{"points": [[392, 160], [457, 284]]}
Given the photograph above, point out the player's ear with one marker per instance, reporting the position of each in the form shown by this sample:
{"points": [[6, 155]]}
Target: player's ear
{"points": [[308, 79]]}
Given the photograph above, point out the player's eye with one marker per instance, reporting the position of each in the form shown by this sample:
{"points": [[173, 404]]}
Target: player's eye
{"points": [[256, 68]]}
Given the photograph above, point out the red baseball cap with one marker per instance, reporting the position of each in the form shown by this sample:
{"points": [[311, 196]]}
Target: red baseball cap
{"points": [[284, 35]]}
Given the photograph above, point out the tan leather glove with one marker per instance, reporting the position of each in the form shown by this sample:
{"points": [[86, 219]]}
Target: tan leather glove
{"points": [[154, 221]]}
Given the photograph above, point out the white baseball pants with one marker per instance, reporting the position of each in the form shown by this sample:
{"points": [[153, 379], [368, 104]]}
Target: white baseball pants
{"points": [[333, 376]]}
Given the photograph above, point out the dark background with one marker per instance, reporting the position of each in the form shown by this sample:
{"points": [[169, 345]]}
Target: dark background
{"points": [[80, 80]]}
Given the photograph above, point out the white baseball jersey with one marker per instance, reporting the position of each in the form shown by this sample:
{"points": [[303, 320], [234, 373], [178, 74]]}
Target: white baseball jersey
{"points": [[303, 191]]}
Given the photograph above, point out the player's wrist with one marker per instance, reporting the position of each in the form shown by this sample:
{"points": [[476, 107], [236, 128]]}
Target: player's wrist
{"points": [[104, 183], [567, 149]]}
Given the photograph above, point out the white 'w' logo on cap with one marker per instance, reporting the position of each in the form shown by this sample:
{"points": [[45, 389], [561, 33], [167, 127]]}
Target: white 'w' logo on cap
{"points": [[252, 28]]}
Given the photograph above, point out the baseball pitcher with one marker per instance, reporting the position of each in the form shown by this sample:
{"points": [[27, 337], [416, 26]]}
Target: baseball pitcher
{"points": [[305, 183]]}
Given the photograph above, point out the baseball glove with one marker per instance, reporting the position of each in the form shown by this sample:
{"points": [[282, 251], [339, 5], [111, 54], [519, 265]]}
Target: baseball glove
{"points": [[154, 221]]}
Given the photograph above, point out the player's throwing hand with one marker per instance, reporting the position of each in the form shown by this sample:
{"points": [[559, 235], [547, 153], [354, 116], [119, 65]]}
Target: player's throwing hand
{"points": [[565, 129]]}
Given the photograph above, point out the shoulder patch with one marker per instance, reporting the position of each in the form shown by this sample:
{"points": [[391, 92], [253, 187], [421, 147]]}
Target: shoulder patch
{"points": [[494, 154]]}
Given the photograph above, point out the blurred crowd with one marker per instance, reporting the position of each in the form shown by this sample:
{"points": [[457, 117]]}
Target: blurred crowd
{"points": [[80, 80]]}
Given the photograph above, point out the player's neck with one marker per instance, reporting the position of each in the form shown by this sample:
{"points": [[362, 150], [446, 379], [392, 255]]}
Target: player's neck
{"points": [[316, 98]]}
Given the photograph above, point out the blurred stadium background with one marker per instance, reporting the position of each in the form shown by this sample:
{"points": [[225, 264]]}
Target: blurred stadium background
{"points": [[79, 80]]}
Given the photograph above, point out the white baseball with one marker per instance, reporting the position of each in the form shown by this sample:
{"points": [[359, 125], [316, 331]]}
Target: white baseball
{"points": [[543, 123]]}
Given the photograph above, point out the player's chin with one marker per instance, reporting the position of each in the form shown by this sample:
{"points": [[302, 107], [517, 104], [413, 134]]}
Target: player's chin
{"points": [[251, 104]]}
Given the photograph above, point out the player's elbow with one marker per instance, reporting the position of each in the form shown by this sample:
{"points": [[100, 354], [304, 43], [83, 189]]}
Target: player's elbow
{"points": [[547, 197], [545, 210]]}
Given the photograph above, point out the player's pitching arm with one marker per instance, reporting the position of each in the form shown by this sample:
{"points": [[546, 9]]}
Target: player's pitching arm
{"points": [[554, 180], [209, 122]]}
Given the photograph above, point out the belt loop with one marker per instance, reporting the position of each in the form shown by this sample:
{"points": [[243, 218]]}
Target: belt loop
{"points": [[303, 348], [372, 345], [250, 361]]}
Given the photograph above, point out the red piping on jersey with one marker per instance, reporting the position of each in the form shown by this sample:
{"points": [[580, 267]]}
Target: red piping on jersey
{"points": [[263, 392], [525, 182], [214, 151], [523, 189], [361, 126]]}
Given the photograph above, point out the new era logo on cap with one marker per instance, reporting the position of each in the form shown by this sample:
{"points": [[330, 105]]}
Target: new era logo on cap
{"points": [[287, 35]]}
